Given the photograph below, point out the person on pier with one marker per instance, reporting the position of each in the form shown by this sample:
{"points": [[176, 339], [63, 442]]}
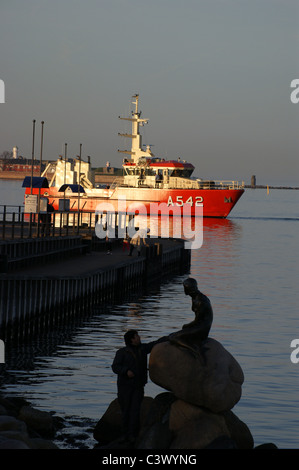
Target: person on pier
{"points": [[45, 220], [138, 240]]}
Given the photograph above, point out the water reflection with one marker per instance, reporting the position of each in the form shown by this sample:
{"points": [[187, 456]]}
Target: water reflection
{"points": [[186, 228]]}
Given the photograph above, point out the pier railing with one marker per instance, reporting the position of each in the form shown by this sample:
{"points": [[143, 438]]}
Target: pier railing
{"points": [[15, 223]]}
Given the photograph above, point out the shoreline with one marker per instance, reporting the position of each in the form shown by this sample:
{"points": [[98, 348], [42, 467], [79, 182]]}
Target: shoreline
{"points": [[26, 426]]}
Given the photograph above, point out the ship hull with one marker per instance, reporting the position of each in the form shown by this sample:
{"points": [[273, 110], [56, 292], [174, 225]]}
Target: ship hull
{"points": [[151, 201]]}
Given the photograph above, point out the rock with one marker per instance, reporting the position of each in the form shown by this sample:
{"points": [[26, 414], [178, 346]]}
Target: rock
{"points": [[23, 427], [159, 409], [2, 410], [267, 445], [17, 436], [171, 423], [43, 444], [12, 404], [194, 427], [222, 442], [16, 403], [109, 427], [155, 432], [13, 444], [157, 436], [216, 384], [239, 431], [9, 423], [39, 421]]}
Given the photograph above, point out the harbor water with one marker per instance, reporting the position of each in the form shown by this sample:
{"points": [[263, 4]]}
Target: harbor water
{"points": [[247, 266]]}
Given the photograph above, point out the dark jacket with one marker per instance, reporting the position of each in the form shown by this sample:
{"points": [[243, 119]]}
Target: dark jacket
{"points": [[133, 358]]}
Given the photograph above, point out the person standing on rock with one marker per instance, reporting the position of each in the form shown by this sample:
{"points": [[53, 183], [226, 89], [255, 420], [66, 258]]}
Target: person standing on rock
{"points": [[130, 365]]}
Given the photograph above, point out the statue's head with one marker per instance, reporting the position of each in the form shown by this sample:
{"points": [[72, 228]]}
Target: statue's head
{"points": [[190, 286]]}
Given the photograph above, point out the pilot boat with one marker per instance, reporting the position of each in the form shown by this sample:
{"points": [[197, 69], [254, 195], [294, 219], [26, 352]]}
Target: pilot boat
{"points": [[149, 184]]}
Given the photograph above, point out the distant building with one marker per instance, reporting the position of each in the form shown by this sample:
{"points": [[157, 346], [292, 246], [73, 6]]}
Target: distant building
{"points": [[19, 165]]}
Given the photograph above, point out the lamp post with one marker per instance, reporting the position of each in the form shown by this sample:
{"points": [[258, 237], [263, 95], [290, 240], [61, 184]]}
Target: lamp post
{"points": [[64, 178], [32, 157], [41, 149], [40, 161], [79, 175]]}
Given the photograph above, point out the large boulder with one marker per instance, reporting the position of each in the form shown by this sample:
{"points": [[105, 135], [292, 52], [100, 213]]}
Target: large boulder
{"points": [[238, 430], [9, 423], [194, 427], [213, 381], [110, 427], [12, 444], [156, 436], [39, 421], [155, 432]]}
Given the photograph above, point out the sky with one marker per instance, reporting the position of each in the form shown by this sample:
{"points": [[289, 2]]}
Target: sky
{"points": [[213, 78]]}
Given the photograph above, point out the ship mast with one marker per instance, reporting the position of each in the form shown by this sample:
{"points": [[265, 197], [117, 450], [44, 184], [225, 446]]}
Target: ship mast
{"points": [[136, 151]]}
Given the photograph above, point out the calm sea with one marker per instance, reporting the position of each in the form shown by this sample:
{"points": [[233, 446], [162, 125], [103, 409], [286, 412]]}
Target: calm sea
{"points": [[248, 267]]}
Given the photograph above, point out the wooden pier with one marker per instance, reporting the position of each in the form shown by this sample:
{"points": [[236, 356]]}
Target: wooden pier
{"points": [[50, 280]]}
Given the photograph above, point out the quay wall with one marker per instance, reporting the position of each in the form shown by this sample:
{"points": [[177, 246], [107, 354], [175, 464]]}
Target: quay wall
{"points": [[30, 304]]}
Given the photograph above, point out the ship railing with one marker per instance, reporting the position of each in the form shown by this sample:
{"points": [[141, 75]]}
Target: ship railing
{"points": [[180, 183], [116, 182], [113, 185], [220, 184]]}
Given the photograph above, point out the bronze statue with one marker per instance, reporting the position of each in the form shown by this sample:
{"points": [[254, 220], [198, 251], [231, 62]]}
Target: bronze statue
{"points": [[193, 335]]}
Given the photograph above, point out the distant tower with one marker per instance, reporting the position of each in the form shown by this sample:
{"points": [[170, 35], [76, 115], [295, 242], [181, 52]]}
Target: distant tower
{"points": [[15, 152], [2, 92], [253, 181]]}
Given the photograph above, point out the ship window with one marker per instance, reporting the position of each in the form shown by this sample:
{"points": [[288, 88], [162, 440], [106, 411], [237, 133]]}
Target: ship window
{"points": [[181, 173], [175, 173]]}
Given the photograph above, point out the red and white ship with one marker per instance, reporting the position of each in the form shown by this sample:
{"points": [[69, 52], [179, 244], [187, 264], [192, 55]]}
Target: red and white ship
{"points": [[159, 185]]}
